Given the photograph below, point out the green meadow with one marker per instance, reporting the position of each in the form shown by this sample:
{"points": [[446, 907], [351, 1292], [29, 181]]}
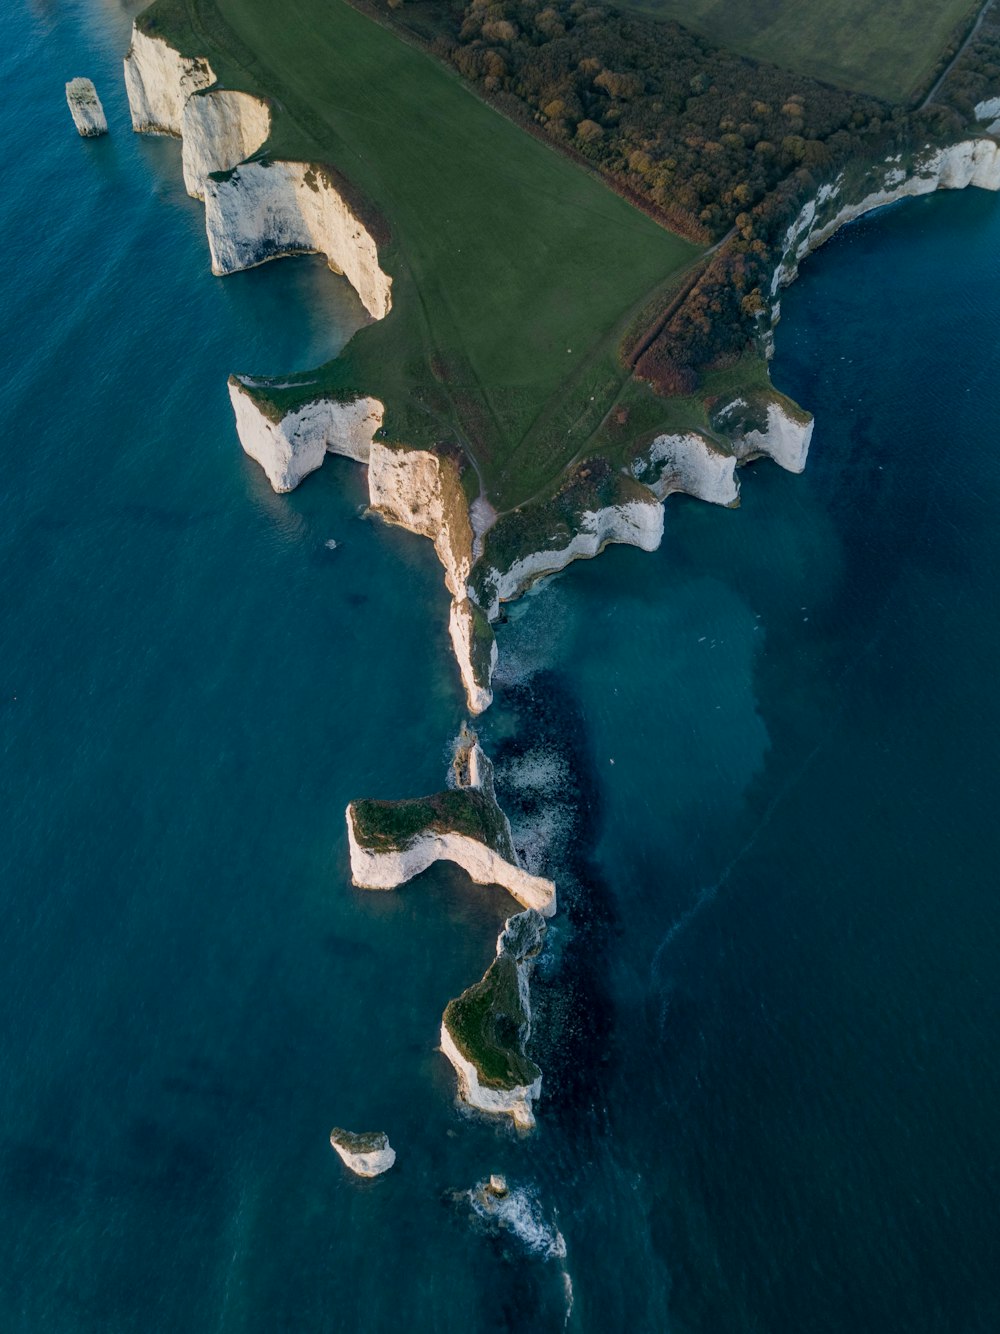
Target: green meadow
{"points": [[515, 272], [889, 48]]}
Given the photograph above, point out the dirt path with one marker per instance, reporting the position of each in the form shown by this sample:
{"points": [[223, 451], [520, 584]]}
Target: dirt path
{"points": [[957, 56]]}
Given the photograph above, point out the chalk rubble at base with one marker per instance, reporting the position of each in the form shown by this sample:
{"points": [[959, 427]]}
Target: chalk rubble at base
{"points": [[367, 1155], [85, 108]]}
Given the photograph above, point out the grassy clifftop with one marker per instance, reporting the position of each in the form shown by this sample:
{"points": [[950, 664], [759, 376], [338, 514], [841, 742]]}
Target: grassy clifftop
{"points": [[514, 272], [389, 826]]}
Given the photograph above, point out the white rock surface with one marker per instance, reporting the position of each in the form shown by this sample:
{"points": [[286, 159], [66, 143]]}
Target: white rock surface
{"points": [[972, 162], [514, 1102], [989, 110], [219, 130], [296, 445], [636, 523], [159, 81], [371, 1163], [85, 108], [263, 210], [786, 440], [389, 870], [691, 464], [407, 487], [460, 629]]}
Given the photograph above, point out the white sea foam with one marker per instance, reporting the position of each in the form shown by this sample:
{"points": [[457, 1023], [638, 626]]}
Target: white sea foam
{"points": [[537, 771], [520, 1213]]}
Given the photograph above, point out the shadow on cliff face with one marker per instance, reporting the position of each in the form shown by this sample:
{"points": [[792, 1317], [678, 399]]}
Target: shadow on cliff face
{"points": [[547, 785]]}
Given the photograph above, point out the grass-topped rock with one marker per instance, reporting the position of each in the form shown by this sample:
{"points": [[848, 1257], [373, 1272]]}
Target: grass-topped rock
{"points": [[393, 841], [484, 1031], [368, 1154]]}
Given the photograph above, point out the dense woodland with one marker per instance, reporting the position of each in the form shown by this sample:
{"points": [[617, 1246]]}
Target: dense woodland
{"points": [[714, 144]]}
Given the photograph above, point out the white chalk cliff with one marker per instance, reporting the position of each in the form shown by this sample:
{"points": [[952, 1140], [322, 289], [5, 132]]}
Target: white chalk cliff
{"points": [[260, 210], [518, 944], [637, 523], [373, 869], [219, 130], [688, 463], [297, 443], [971, 162], [159, 81], [85, 108], [263, 210], [411, 488], [514, 1102], [784, 439]]}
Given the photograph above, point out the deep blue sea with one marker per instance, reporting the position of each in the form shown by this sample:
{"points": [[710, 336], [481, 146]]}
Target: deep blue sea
{"points": [[766, 755]]}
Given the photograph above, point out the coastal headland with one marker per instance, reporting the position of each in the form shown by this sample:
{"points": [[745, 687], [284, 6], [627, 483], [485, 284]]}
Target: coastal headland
{"points": [[547, 358]]}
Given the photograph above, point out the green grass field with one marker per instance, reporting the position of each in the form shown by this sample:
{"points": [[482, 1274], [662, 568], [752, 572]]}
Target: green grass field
{"points": [[514, 270], [886, 47]]}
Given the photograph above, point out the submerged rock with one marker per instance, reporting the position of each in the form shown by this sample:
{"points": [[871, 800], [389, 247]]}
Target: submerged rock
{"points": [[367, 1155], [85, 108]]}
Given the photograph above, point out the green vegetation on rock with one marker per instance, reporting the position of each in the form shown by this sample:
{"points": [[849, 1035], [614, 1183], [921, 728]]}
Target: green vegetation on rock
{"points": [[488, 1023], [390, 826], [373, 1141], [513, 271]]}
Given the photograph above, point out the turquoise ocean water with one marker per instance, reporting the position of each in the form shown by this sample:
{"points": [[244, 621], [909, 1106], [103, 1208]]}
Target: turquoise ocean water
{"points": [[763, 761]]}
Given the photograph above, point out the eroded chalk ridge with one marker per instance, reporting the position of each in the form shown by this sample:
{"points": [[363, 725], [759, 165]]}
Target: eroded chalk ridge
{"points": [[485, 1031], [259, 208]]}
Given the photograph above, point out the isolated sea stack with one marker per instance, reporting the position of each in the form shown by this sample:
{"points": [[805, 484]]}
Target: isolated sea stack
{"points": [[85, 108], [367, 1155]]}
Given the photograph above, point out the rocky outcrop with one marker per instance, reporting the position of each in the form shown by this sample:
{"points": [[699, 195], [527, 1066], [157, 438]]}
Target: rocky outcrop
{"points": [[374, 868], [422, 492], [515, 1102], [484, 1033], [367, 1155], [412, 488], [637, 523], [971, 162], [989, 111], [290, 446], [159, 81], [785, 439], [254, 211], [391, 842], [475, 647], [85, 108], [689, 463], [263, 210], [219, 130], [765, 425]]}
